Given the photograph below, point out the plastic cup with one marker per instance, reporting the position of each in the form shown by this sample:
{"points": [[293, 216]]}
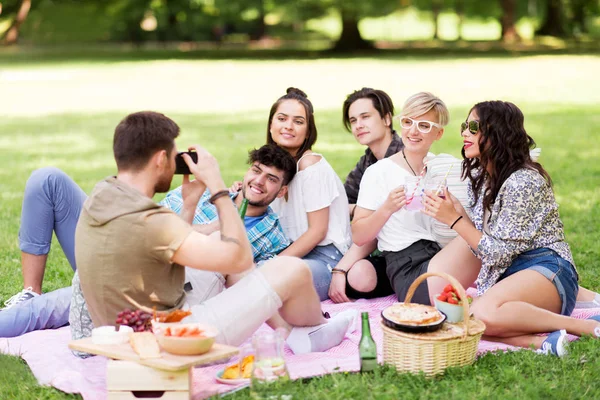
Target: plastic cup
{"points": [[436, 185], [414, 191]]}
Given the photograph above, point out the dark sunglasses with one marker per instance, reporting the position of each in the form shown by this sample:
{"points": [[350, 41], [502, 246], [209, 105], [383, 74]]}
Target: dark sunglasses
{"points": [[473, 127]]}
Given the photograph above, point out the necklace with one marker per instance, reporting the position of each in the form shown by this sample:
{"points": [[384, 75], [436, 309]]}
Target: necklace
{"points": [[407, 163]]}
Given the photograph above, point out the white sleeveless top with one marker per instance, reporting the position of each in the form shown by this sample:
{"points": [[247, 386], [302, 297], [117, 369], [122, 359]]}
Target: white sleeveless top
{"points": [[313, 189]]}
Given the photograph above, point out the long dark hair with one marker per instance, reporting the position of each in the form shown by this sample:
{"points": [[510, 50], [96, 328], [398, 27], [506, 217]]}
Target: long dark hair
{"points": [[311, 133], [503, 145]]}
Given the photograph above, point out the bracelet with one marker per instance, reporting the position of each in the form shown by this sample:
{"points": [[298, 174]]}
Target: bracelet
{"points": [[454, 223], [215, 196], [339, 270]]}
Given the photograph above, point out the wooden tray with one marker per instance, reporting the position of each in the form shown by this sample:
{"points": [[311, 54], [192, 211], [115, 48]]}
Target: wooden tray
{"points": [[167, 361]]}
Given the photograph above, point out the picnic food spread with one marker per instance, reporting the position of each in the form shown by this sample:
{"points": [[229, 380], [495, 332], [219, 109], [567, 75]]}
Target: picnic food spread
{"points": [[412, 317], [141, 321], [233, 371], [109, 335], [450, 295], [144, 344], [412, 314]]}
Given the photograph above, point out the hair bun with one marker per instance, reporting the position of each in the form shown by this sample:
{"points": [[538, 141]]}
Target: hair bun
{"points": [[296, 91]]}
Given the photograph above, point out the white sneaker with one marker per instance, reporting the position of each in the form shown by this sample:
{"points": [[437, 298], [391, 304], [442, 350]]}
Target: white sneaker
{"points": [[23, 295]]}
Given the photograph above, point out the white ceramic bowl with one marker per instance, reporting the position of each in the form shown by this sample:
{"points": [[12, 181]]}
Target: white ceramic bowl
{"points": [[109, 335], [185, 345]]}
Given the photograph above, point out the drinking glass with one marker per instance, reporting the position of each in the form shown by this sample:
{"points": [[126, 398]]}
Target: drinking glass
{"points": [[413, 189]]}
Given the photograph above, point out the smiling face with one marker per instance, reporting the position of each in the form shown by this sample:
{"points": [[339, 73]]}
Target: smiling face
{"points": [[289, 126], [470, 140], [421, 142], [368, 127], [262, 184]]}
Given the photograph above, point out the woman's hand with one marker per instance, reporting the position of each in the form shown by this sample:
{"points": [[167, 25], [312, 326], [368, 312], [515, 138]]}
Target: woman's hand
{"points": [[337, 288], [395, 200], [440, 208], [235, 187]]}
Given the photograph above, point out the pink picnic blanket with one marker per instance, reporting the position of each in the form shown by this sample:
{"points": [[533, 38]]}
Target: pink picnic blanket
{"points": [[52, 363]]}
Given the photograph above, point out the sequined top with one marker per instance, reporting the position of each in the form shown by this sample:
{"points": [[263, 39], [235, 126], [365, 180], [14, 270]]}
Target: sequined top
{"points": [[524, 217]]}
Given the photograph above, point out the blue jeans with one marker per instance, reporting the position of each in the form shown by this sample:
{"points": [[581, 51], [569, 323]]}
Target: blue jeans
{"points": [[48, 311], [555, 268], [52, 203], [321, 260]]}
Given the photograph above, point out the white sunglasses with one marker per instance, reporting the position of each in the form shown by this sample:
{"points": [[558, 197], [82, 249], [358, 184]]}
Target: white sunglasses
{"points": [[422, 126]]}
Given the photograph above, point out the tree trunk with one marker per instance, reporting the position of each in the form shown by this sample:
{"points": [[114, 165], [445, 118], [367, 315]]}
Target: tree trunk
{"points": [[578, 7], [553, 23], [509, 31], [261, 28], [459, 8], [12, 34], [436, 9], [350, 39]]}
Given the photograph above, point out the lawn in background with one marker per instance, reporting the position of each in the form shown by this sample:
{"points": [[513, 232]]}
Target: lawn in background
{"points": [[63, 113]]}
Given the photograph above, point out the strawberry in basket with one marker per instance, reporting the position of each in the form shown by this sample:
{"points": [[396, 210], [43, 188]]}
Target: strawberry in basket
{"points": [[450, 295]]}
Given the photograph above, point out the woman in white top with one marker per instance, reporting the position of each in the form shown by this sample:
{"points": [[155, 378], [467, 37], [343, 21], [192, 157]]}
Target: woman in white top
{"points": [[404, 237], [314, 214]]}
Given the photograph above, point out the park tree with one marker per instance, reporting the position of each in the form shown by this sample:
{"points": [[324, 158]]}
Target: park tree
{"points": [[19, 11], [554, 22], [350, 13], [508, 21]]}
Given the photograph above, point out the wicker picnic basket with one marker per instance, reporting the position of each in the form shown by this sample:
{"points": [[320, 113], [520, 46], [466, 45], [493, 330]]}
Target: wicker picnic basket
{"points": [[432, 352]]}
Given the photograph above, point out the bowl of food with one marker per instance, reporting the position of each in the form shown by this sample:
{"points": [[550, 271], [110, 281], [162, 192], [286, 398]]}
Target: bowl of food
{"points": [[450, 304], [185, 339], [236, 374]]}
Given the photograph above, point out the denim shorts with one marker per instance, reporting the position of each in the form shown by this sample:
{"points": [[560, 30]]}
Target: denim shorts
{"points": [[321, 260], [558, 270]]}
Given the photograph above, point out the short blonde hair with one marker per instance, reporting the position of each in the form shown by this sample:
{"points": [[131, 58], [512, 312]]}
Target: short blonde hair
{"points": [[421, 103]]}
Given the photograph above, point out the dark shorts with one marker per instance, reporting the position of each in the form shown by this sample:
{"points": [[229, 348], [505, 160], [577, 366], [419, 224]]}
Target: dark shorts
{"points": [[558, 270], [405, 266], [383, 287]]}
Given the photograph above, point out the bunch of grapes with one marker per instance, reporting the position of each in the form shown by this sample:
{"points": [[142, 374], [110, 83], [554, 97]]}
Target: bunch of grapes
{"points": [[139, 320]]}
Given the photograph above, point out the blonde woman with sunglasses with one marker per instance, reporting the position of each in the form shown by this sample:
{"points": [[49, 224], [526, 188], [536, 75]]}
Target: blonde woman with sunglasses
{"points": [[511, 235]]}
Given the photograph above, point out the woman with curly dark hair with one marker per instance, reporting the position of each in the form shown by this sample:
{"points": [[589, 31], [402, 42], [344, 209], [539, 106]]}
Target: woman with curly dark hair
{"points": [[527, 281]]}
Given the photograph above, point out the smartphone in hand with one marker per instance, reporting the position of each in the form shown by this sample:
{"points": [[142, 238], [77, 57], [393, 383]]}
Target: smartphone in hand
{"points": [[181, 168]]}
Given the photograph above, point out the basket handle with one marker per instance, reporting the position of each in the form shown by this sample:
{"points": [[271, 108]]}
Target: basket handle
{"points": [[461, 293]]}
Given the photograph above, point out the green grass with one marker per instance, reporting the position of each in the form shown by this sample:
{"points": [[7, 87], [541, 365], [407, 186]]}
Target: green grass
{"points": [[55, 110]]}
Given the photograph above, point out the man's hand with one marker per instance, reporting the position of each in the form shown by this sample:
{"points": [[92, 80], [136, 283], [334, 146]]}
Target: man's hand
{"points": [[206, 170], [235, 187], [191, 191], [337, 288]]}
